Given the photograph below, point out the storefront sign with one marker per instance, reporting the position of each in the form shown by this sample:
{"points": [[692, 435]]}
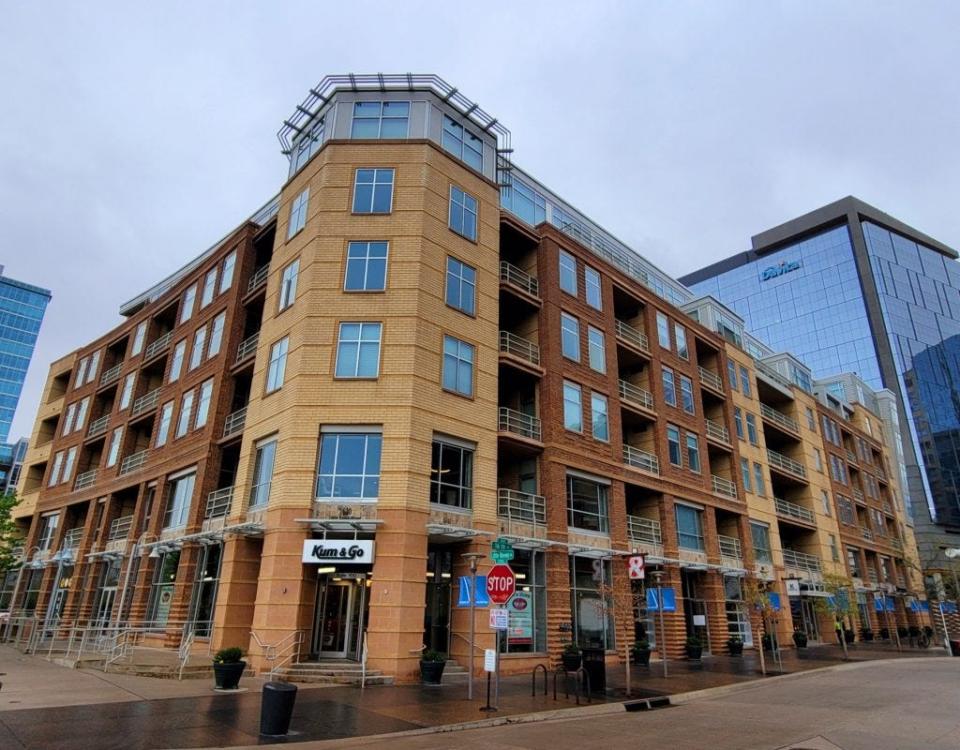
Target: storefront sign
{"points": [[635, 567], [779, 270], [338, 551], [793, 587], [520, 626], [489, 660]]}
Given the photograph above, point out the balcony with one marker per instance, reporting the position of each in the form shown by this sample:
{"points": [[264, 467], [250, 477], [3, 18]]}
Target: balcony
{"points": [[133, 462], [641, 459], [851, 456], [793, 511], [717, 431], [71, 540], [85, 479], [731, 554], [710, 379], [723, 487], [98, 426], [514, 277], [801, 561], [518, 423], [521, 507], [158, 345], [785, 464], [645, 534], [219, 503], [145, 403], [519, 347], [120, 528], [636, 396], [234, 422], [111, 374], [247, 348], [858, 496], [896, 544], [259, 278], [866, 533], [632, 337], [779, 419]]}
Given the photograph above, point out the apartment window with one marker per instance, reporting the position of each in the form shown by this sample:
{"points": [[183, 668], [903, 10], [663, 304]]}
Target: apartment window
{"points": [[186, 407], [752, 429], [68, 464], [817, 459], [689, 528], [216, 335], [81, 372], [203, 403], [196, 353], [669, 387], [845, 510], [358, 350], [680, 336], [732, 374], [373, 191], [745, 474], [380, 119], [179, 494], [596, 350], [853, 562], [263, 473], [759, 481], [568, 273], [686, 394], [834, 549], [760, 535], [226, 278], [570, 337], [663, 330], [738, 421], [55, 471], [116, 439], [305, 146], [811, 420], [349, 466], [176, 361], [366, 268], [126, 392], [673, 445], [462, 143], [278, 364], [189, 300], [461, 290], [745, 381], [81, 418], [693, 453], [94, 364], [48, 530], [587, 505], [288, 284], [458, 366], [593, 290], [298, 213], [572, 407], [163, 429], [138, 337], [463, 213], [68, 420], [209, 287], [451, 475], [599, 416]]}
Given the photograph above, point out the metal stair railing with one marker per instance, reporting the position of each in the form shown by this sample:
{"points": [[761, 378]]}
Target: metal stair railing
{"points": [[279, 653]]}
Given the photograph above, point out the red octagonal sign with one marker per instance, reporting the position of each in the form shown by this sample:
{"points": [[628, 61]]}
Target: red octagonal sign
{"points": [[501, 584]]}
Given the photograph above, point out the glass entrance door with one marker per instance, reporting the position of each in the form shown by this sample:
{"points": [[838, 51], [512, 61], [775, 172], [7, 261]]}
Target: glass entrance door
{"points": [[436, 614], [810, 624], [695, 609], [105, 606], [332, 631]]}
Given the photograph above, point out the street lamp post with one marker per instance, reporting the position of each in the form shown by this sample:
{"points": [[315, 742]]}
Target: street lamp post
{"points": [[473, 558], [657, 577]]}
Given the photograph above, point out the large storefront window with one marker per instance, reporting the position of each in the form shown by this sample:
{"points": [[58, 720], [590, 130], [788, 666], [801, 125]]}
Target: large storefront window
{"points": [[205, 589], [527, 625], [591, 602], [31, 591], [161, 589], [6, 589]]}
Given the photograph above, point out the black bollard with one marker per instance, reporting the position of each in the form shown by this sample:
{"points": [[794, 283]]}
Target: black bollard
{"points": [[276, 708]]}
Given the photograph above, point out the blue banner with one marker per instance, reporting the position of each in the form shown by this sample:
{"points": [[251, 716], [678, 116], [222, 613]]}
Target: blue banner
{"points": [[948, 608], [669, 600], [774, 601], [465, 587], [884, 604]]}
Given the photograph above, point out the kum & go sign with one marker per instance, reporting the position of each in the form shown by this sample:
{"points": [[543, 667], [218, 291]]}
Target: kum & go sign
{"points": [[341, 551]]}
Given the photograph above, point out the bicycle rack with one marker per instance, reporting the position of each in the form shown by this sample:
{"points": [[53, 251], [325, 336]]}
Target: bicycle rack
{"points": [[576, 683], [533, 679]]}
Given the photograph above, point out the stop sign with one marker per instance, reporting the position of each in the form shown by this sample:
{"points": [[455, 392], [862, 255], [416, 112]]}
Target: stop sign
{"points": [[501, 584]]}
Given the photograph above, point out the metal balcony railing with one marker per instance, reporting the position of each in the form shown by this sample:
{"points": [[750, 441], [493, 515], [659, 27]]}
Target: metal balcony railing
{"points": [[858, 496], [779, 418], [787, 464], [133, 462], [71, 540], [512, 275], [145, 403], [636, 395], [896, 543], [234, 422], [641, 459], [219, 503], [730, 547], [643, 530], [801, 561], [792, 510], [851, 456], [98, 426], [519, 423], [521, 506], [120, 528], [85, 479], [717, 431], [721, 486], [710, 378], [773, 375], [632, 336], [866, 533], [259, 278], [520, 347], [108, 376], [158, 345], [247, 347]]}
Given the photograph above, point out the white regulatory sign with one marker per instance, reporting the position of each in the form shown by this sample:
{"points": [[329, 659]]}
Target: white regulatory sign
{"points": [[499, 619], [489, 660]]}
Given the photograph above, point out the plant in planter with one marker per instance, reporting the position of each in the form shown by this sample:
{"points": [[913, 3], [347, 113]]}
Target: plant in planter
{"points": [[228, 666], [885, 634], [767, 641], [571, 657], [902, 631], [641, 653], [849, 635], [799, 639], [694, 647], [735, 646], [431, 666], [866, 635]]}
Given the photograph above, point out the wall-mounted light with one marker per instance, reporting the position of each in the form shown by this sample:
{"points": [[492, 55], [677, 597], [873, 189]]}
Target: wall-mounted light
{"points": [[328, 569]]}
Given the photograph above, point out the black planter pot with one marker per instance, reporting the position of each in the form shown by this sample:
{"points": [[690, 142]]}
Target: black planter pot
{"points": [[227, 676], [867, 635], [431, 672], [642, 657], [736, 648], [800, 640], [694, 652], [849, 635], [884, 634], [571, 662]]}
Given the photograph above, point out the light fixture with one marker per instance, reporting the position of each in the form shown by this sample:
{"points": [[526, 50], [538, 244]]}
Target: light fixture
{"points": [[520, 576], [429, 574], [328, 569], [444, 575]]}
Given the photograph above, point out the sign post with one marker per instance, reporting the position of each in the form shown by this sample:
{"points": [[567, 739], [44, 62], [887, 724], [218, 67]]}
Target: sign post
{"points": [[501, 585], [472, 559]]}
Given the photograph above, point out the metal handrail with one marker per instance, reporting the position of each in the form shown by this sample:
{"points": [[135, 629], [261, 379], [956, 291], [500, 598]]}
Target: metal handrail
{"points": [[632, 336], [247, 347], [521, 506], [718, 431], [279, 653], [108, 376], [85, 479], [858, 495], [866, 533], [779, 418], [512, 275], [219, 502], [234, 422], [98, 426], [730, 547], [520, 347], [647, 530], [635, 394], [511, 420], [134, 461], [145, 403], [723, 486], [787, 464], [710, 378], [801, 560], [120, 528], [641, 459], [851, 456], [259, 277], [792, 510], [158, 345]]}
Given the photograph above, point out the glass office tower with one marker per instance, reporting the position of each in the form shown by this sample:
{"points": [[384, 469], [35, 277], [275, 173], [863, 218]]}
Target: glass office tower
{"points": [[849, 288]]}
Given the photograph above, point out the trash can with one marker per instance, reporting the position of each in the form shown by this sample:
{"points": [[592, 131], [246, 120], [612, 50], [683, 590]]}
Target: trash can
{"points": [[594, 662], [276, 708], [955, 647]]}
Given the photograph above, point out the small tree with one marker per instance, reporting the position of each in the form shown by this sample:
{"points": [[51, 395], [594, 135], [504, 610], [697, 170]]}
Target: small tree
{"points": [[10, 536], [623, 609], [758, 599], [839, 605]]}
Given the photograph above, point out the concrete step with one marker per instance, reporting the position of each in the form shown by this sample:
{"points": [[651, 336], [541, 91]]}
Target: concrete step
{"points": [[314, 679], [331, 672]]}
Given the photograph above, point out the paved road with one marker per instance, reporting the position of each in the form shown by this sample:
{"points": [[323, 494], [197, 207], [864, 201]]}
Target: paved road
{"points": [[886, 705]]}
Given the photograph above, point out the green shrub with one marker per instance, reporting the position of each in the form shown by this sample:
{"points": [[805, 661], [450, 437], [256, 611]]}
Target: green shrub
{"points": [[232, 655]]}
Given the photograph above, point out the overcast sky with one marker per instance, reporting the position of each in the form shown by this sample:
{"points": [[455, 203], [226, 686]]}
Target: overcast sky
{"points": [[131, 138]]}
